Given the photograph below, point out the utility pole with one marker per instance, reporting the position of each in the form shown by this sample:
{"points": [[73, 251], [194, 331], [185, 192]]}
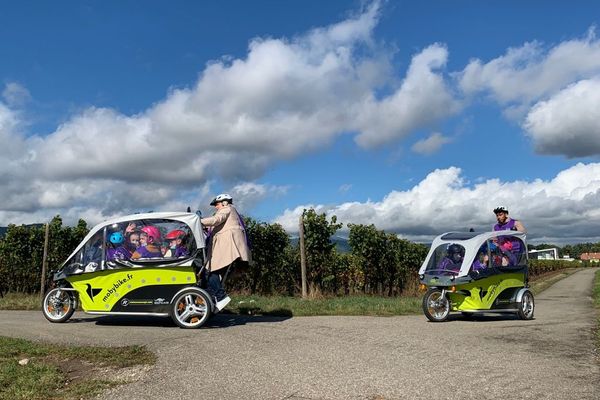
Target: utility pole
{"points": [[302, 256], [44, 261]]}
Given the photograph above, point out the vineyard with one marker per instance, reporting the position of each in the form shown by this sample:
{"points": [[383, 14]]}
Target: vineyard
{"points": [[378, 262]]}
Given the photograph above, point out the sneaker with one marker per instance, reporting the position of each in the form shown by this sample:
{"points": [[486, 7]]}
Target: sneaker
{"points": [[222, 303]]}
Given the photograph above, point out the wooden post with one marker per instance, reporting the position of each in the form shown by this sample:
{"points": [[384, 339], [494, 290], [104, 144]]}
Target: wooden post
{"points": [[302, 256], [44, 261]]}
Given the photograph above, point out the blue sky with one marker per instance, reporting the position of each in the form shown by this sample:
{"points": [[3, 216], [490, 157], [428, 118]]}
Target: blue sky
{"points": [[419, 118]]}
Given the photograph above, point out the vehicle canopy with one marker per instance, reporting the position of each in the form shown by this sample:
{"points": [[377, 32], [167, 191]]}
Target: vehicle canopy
{"points": [[169, 237], [462, 254]]}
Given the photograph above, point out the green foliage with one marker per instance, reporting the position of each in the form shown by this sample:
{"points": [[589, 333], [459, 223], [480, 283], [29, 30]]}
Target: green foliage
{"points": [[539, 267], [268, 272], [22, 249], [389, 263], [320, 249]]}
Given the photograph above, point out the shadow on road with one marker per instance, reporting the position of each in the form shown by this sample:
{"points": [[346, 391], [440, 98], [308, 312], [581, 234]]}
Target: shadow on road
{"points": [[222, 320], [481, 318]]}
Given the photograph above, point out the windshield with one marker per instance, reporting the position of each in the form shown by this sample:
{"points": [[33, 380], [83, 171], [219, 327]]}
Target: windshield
{"points": [[502, 252], [446, 258], [133, 241]]}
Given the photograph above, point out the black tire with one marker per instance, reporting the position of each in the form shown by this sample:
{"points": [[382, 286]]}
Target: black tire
{"points": [[58, 305], [526, 306], [435, 306], [191, 308]]}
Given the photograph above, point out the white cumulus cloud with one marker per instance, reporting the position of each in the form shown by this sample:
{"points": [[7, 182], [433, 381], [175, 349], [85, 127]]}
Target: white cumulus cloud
{"points": [[430, 145], [569, 122], [286, 97], [533, 71], [565, 208]]}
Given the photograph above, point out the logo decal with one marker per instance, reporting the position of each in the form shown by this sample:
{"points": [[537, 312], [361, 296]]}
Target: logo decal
{"points": [[115, 286], [125, 302], [160, 301], [91, 291]]}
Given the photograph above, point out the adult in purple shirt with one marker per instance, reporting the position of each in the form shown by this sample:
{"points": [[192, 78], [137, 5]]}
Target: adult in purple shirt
{"points": [[505, 223]]}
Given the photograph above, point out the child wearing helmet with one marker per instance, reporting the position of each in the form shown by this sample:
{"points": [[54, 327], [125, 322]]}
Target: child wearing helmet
{"points": [[149, 243], [453, 259], [176, 247], [117, 249]]}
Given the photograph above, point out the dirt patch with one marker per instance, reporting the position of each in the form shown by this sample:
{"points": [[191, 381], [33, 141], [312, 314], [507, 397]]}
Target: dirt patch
{"points": [[77, 370]]}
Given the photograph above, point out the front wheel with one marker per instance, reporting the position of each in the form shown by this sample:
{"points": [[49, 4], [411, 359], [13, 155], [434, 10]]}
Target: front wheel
{"points": [[190, 308], [436, 305], [526, 306], [58, 305]]}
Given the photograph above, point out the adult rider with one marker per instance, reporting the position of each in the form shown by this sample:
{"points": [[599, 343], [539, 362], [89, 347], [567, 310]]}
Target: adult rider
{"points": [[509, 247], [228, 244], [505, 223]]}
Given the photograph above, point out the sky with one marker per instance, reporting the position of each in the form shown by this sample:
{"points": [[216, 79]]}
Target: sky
{"points": [[418, 118]]}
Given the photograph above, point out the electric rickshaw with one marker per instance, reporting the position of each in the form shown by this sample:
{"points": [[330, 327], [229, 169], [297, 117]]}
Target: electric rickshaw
{"points": [[476, 273], [142, 264]]}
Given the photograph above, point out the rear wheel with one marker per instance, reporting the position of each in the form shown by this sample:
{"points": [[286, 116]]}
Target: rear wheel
{"points": [[436, 305], [190, 308], [526, 306], [58, 305]]}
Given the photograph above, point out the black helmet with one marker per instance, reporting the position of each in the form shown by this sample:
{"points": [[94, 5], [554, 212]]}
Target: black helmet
{"points": [[500, 209], [455, 249]]}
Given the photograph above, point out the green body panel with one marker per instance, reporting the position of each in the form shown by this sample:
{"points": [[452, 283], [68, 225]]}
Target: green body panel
{"points": [[100, 291], [483, 292]]}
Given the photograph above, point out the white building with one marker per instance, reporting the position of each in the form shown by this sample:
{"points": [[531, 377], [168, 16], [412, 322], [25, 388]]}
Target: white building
{"points": [[544, 254]]}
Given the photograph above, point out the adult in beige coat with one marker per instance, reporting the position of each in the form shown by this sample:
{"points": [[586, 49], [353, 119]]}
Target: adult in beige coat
{"points": [[228, 244]]}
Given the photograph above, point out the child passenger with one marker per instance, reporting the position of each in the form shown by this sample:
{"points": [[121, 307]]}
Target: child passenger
{"points": [[176, 247], [149, 243], [118, 249]]}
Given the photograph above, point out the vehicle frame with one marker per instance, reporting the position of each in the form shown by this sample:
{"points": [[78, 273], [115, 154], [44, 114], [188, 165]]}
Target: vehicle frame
{"points": [[500, 284], [152, 286]]}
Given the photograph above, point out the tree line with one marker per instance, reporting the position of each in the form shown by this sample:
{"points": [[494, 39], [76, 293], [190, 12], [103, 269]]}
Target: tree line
{"points": [[378, 262]]}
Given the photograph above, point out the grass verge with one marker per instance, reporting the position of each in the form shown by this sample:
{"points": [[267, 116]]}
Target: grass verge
{"points": [[596, 297], [347, 305], [20, 301], [30, 370], [543, 282]]}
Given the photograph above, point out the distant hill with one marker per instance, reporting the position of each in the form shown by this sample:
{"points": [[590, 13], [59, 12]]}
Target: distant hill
{"points": [[341, 243], [3, 229]]}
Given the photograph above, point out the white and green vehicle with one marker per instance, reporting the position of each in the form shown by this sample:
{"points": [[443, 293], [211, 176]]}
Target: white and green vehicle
{"points": [[111, 272], [475, 273]]}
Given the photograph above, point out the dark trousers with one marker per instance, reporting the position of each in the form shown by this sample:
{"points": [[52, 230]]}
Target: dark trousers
{"points": [[215, 287]]}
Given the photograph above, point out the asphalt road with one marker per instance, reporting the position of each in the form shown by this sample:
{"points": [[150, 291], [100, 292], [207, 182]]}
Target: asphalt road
{"points": [[551, 357]]}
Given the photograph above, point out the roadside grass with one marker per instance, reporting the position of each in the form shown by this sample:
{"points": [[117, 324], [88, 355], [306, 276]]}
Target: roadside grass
{"points": [[543, 282], [348, 305], [64, 372], [20, 301], [596, 297]]}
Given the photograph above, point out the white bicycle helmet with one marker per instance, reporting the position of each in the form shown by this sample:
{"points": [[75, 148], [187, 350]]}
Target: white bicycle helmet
{"points": [[222, 197]]}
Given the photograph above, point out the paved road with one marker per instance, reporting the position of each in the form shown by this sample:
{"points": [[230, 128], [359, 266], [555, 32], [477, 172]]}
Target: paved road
{"points": [[551, 357]]}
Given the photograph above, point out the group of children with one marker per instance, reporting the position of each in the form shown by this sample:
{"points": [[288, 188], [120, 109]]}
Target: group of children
{"points": [[146, 243]]}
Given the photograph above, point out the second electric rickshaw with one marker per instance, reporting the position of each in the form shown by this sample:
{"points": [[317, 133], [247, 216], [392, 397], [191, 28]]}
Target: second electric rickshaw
{"points": [[477, 273]]}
